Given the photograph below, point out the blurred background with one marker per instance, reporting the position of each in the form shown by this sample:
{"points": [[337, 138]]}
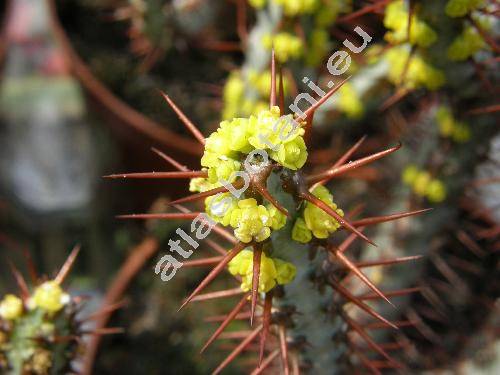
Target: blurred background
{"points": [[79, 99]]}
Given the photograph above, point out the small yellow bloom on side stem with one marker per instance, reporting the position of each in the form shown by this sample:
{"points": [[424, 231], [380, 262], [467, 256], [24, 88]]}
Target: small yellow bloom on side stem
{"points": [[11, 307], [50, 297], [272, 271]]}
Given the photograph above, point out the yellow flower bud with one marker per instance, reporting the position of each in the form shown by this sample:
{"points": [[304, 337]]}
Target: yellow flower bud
{"points": [[50, 297], [318, 221], [436, 191], [421, 183], [272, 271], [410, 174], [300, 232], [11, 307]]}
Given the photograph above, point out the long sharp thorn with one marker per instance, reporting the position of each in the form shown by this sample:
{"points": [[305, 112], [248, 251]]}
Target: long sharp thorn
{"points": [[235, 335], [215, 271], [348, 241], [272, 97], [267, 195], [363, 306], [237, 350], [21, 283], [310, 111], [385, 262], [394, 293], [66, 267], [284, 349], [266, 362], [220, 318], [266, 323], [160, 175], [202, 262], [168, 216], [226, 321], [281, 95], [218, 294], [372, 344], [189, 125], [332, 172], [330, 211], [238, 184], [382, 219], [31, 266], [257, 254], [399, 324], [215, 246], [343, 159], [170, 160], [361, 276], [217, 229]]}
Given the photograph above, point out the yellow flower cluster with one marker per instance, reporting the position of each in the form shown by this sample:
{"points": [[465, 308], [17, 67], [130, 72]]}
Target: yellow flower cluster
{"points": [[11, 307], [224, 147], [272, 271], [286, 46], [250, 220], [295, 7], [315, 221], [318, 47], [466, 45], [396, 19], [349, 101], [418, 73], [459, 8], [50, 297], [449, 127], [262, 82], [423, 184], [224, 152], [328, 11], [257, 3]]}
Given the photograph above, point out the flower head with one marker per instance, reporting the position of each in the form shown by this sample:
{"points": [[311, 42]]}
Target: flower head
{"points": [[251, 221], [318, 221], [272, 271], [11, 307], [50, 297]]}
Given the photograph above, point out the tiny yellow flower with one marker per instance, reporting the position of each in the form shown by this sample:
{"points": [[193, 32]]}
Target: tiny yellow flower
{"points": [[301, 232], [251, 221], [257, 3], [421, 183], [11, 307], [220, 207], [50, 297], [286, 46], [318, 221], [278, 219], [436, 191], [466, 45], [410, 174], [459, 8], [349, 101], [396, 20], [295, 7], [272, 271]]}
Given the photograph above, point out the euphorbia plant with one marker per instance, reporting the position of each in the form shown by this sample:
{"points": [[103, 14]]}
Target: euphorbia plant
{"points": [[256, 183]]}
